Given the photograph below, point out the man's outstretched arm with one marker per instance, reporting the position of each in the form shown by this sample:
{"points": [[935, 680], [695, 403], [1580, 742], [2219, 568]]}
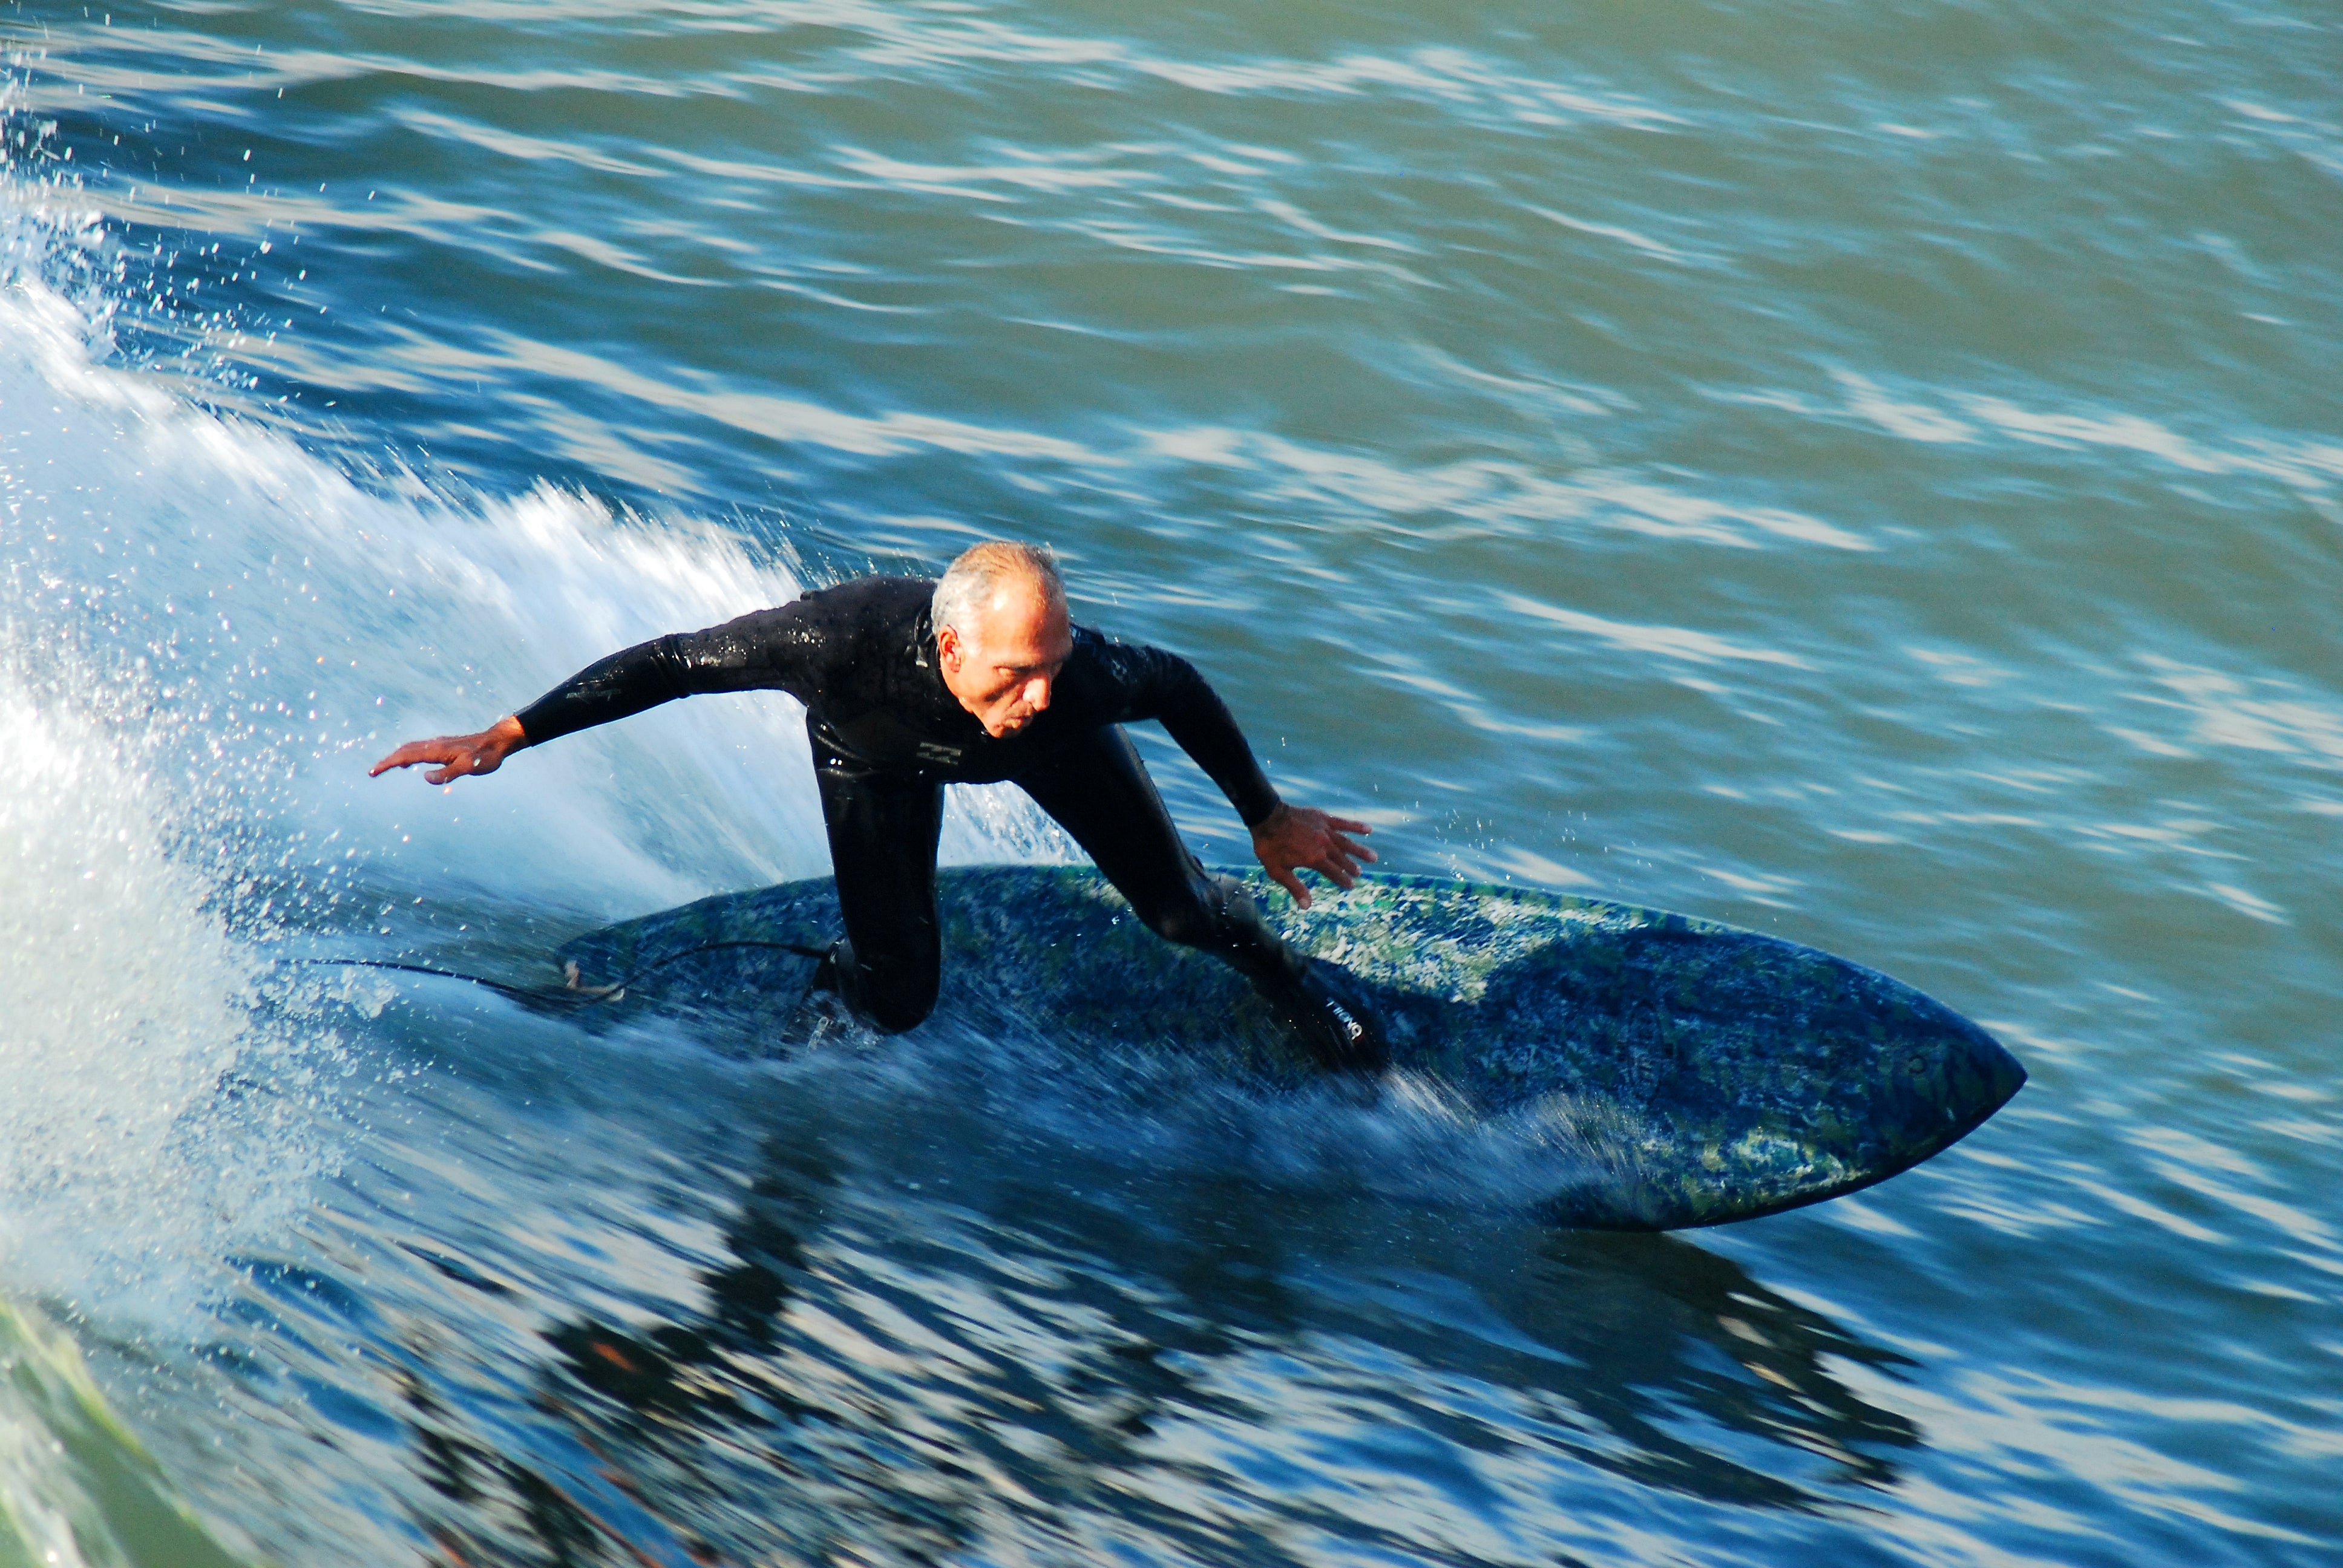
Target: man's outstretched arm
{"points": [[765, 651]]}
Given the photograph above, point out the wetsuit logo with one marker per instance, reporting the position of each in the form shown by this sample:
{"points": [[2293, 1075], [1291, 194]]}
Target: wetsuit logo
{"points": [[945, 756]]}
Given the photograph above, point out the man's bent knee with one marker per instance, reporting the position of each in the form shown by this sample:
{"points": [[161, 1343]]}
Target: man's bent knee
{"points": [[1219, 916], [893, 1015], [891, 996], [895, 997], [1191, 922]]}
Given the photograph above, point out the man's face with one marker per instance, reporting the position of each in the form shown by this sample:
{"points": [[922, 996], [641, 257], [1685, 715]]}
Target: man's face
{"points": [[1003, 668]]}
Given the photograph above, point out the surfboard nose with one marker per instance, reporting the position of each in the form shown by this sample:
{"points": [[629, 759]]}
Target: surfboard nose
{"points": [[1987, 1077], [1939, 1079]]}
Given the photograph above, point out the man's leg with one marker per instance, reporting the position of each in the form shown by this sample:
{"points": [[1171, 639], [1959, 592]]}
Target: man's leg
{"points": [[882, 845], [1099, 791]]}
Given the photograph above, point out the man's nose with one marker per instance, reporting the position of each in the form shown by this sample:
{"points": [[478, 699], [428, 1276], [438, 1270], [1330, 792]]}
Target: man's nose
{"points": [[1037, 693]]}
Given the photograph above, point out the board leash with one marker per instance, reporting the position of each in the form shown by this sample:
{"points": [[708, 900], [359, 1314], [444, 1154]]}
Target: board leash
{"points": [[574, 992]]}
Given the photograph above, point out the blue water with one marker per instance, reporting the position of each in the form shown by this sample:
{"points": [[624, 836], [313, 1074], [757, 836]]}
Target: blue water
{"points": [[1873, 474]]}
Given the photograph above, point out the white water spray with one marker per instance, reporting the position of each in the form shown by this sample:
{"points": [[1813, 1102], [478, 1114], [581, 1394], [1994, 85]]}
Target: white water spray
{"points": [[129, 1159]]}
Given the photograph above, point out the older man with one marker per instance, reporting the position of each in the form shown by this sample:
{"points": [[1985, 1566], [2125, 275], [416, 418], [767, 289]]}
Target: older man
{"points": [[910, 685]]}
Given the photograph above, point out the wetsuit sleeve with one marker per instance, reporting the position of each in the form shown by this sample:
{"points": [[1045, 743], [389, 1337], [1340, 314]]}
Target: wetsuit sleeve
{"points": [[770, 651], [1154, 684]]}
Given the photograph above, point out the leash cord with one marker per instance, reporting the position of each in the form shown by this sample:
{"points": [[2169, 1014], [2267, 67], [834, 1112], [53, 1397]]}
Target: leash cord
{"points": [[574, 994]]}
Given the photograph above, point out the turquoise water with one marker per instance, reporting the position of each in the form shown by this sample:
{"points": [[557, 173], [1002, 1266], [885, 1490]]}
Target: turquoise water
{"points": [[1873, 474]]}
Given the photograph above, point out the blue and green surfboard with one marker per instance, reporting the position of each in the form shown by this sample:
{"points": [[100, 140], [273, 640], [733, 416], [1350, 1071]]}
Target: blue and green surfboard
{"points": [[1710, 1073]]}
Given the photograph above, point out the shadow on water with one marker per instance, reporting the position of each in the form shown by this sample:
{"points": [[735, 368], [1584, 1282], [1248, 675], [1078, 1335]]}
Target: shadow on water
{"points": [[1024, 1352], [1658, 1324], [695, 1439]]}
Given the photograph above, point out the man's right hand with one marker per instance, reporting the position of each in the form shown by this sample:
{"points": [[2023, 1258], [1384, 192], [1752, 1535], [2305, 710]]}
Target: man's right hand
{"points": [[458, 755]]}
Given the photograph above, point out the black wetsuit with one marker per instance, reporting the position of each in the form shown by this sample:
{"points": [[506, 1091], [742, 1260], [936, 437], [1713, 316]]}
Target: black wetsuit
{"points": [[887, 736]]}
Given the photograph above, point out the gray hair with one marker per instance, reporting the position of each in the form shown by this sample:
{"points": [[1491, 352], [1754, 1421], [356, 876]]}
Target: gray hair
{"points": [[982, 570]]}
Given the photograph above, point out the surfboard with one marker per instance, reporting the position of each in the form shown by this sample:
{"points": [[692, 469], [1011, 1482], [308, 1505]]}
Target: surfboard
{"points": [[1704, 1073]]}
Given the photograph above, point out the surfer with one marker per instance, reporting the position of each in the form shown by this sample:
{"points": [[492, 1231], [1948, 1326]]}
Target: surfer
{"points": [[910, 685]]}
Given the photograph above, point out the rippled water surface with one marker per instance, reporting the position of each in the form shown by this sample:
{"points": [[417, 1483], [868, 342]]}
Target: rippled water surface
{"points": [[1870, 473]]}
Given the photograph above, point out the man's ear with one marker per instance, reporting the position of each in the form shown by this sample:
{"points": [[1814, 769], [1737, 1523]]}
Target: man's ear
{"points": [[948, 647]]}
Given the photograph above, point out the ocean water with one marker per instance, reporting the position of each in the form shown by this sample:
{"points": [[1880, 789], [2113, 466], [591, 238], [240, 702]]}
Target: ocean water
{"points": [[1869, 473]]}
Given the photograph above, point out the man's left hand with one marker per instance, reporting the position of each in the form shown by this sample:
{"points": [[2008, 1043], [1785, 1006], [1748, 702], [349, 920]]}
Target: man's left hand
{"points": [[1293, 839]]}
